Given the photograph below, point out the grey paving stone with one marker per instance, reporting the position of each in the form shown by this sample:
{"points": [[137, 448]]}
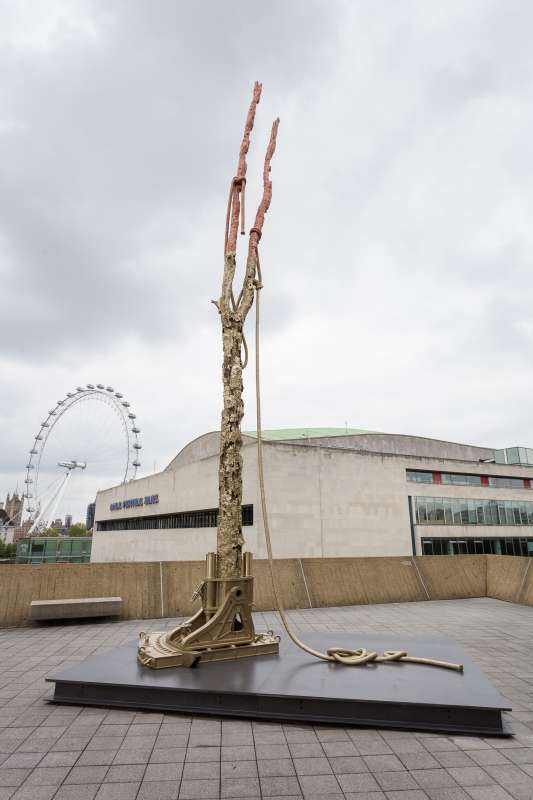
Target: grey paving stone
{"points": [[331, 734], [488, 793], [204, 769], [298, 750], [235, 739], [113, 730], [159, 790], [63, 758], [408, 794], [470, 776], [163, 772], [266, 736], [238, 753], [86, 775], [358, 782], [365, 796], [274, 767], [240, 787], [239, 769], [312, 766], [454, 758], [124, 773], [448, 793], [383, 763], [419, 760], [318, 785], [22, 760], [105, 743], [96, 758], [342, 748], [274, 786], [140, 742], [48, 776], [491, 756], [197, 790], [132, 756], [439, 743], [273, 751], [298, 734], [182, 740], [169, 755], [508, 772], [118, 791], [521, 755], [34, 793], [86, 791], [345, 764], [434, 778], [201, 754], [391, 781]]}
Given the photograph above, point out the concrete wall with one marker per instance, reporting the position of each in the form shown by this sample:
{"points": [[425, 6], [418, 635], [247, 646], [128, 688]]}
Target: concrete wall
{"points": [[164, 589], [323, 502]]}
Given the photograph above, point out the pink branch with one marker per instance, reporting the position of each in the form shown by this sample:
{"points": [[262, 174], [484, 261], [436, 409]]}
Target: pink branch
{"points": [[240, 178], [256, 231]]}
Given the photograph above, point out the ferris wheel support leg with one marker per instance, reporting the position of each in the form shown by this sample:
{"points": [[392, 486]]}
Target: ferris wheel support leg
{"points": [[59, 495], [44, 512]]}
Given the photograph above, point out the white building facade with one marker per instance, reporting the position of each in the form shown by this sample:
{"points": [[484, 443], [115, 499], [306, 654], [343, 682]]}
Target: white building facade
{"points": [[330, 493]]}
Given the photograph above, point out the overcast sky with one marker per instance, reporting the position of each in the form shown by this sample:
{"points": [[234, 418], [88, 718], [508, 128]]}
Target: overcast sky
{"points": [[396, 255]]}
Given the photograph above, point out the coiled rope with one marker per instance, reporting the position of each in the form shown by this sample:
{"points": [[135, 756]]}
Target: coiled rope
{"points": [[340, 655]]}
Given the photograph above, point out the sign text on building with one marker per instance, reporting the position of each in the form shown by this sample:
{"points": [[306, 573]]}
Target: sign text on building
{"points": [[149, 500]]}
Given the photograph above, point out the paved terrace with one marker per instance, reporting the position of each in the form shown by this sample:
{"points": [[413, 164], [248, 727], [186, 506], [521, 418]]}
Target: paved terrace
{"points": [[73, 753]]}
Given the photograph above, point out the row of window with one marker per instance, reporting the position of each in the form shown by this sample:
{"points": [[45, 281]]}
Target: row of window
{"points": [[456, 511], [461, 479], [206, 518], [51, 550], [499, 547]]}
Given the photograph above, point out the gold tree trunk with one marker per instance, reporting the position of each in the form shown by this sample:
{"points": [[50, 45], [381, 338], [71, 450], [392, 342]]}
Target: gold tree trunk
{"points": [[233, 315], [229, 534]]}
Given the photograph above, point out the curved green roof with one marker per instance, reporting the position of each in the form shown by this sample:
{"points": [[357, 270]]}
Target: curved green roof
{"points": [[305, 433]]}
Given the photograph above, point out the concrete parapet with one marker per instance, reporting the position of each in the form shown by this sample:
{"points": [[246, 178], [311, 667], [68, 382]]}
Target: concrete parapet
{"points": [[163, 589]]}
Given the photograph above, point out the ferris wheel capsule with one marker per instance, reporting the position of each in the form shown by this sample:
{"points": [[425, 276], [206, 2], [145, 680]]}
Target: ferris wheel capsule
{"points": [[117, 394], [136, 463], [80, 389], [100, 386], [90, 386], [109, 389]]}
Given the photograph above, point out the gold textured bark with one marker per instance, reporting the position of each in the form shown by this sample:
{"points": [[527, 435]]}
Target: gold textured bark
{"points": [[233, 315]]}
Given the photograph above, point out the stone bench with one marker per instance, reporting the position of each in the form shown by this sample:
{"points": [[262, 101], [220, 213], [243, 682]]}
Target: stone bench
{"points": [[75, 608]]}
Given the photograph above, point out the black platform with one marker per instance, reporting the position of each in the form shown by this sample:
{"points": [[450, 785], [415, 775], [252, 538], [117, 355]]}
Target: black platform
{"points": [[295, 686]]}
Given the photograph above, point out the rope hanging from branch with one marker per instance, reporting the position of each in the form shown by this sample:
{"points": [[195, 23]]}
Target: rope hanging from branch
{"points": [[237, 310]]}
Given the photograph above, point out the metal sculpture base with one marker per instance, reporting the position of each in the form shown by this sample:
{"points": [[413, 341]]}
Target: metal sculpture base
{"points": [[222, 630], [292, 686]]}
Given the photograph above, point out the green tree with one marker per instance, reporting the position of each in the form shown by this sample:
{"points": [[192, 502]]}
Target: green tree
{"points": [[50, 532], [78, 529], [7, 550]]}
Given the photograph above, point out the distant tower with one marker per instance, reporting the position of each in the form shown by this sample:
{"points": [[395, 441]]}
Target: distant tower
{"points": [[13, 508], [89, 519], [68, 521]]}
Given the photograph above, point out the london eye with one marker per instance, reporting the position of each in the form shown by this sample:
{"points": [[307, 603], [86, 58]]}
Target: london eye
{"points": [[90, 439]]}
